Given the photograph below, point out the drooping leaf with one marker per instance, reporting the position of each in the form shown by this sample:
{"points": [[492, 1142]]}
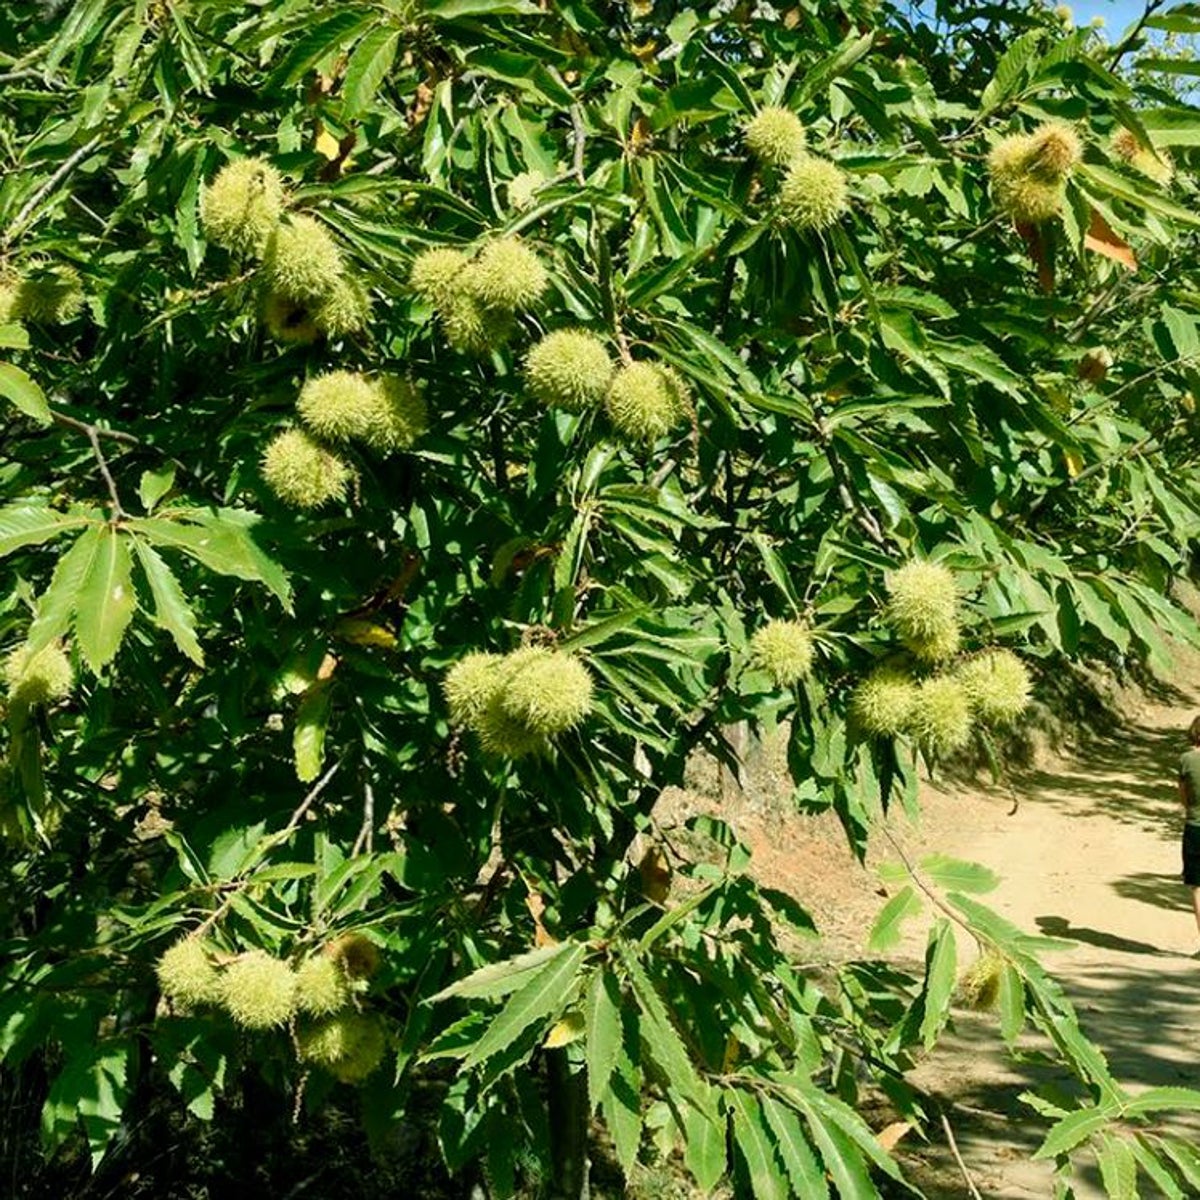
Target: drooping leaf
{"points": [[17, 387], [23, 524], [542, 996], [604, 1033], [106, 600], [171, 609], [886, 932]]}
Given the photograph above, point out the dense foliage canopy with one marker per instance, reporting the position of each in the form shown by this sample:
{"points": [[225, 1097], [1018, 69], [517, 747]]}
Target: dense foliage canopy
{"points": [[431, 423]]}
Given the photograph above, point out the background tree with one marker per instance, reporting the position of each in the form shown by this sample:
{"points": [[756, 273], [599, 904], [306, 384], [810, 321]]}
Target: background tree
{"points": [[435, 422]]}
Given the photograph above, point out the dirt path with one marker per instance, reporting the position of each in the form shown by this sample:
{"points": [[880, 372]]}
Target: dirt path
{"points": [[1090, 855]]}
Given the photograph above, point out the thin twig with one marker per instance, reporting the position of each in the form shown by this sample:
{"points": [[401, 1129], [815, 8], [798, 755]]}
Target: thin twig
{"points": [[962, 1166], [978, 231], [85, 427], [1126, 44], [850, 501], [664, 472], [118, 513], [236, 885], [305, 804], [579, 141], [190, 298], [366, 835], [14, 76], [30, 206], [91, 430]]}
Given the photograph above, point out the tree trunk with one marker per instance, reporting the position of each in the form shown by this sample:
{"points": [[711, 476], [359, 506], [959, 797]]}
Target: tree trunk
{"points": [[567, 1094]]}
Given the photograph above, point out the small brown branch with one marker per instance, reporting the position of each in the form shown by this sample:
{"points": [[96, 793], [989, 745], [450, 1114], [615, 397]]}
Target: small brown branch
{"points": [[664, 472], [850, 502], [962, 1166], [118, 513], [85, 427], [303, 807], [970, 235], [94, 432]]}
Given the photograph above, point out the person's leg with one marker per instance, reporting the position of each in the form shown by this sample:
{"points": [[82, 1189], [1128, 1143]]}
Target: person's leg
{"points": [[1196, 905]]}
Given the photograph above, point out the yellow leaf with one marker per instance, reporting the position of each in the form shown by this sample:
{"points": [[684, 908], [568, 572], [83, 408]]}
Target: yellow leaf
{"points": [[327, 145], [889, 1136], [366, 633], [1074, 463], [566, 1031], [1101, 239], [656, 874], [732, 1052]]}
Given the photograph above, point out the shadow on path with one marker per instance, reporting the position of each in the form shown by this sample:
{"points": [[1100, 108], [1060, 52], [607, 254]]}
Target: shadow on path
{"points": [[1162, 891], [1060, 927], [1128, 776]]}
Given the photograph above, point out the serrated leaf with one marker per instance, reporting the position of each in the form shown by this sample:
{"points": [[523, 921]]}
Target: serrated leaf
{"points": [[1011, 1002], [704, 1149], [603, 1033], [308, 738], [368, 66], [221, 541], [803, 1169], [775, 568], [833, 66], [543, 996], [621, 1105], [92, 1088], [885, 933], [954, 874], [1176, 1099], [24, 524], [449, 10], [106, 600], [1076, 1128], [24, 393], [1148, 1159], [1112, 183], [940, 978], [171, 609], [842, 1159], [1010, 70], [1118, 1168], [500, 978], [661, 1037], [811, 1098], [1186, 1160], [155, 484], [757, 1150], [320, 42]]}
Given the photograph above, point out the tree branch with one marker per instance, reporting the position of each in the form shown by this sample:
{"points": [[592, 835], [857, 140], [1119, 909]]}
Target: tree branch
{"points": [[235, 886], [1127, 43], [118, 513], [962, 1166], [30, 206], [578, 144]]}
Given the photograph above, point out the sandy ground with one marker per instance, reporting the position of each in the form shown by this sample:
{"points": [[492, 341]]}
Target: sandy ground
{"points": [[1090, 854]]}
